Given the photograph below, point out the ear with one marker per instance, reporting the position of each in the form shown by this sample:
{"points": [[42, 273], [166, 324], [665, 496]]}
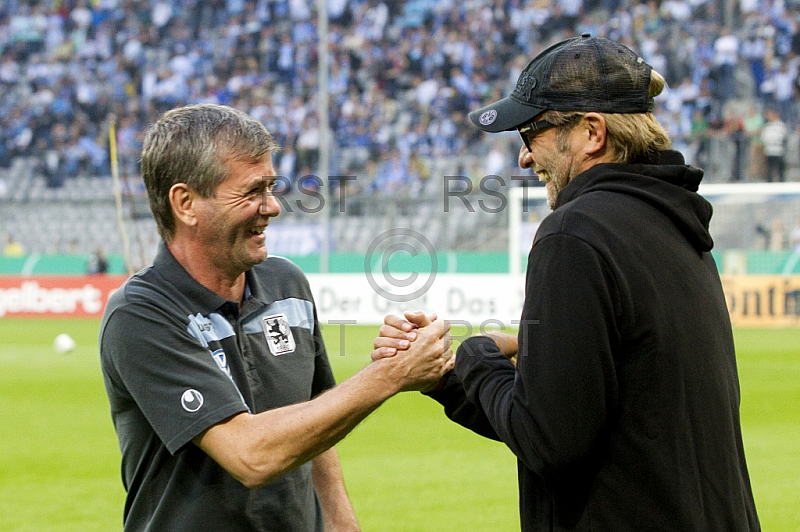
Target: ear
{"points": [[595, 131], [182, 199]]}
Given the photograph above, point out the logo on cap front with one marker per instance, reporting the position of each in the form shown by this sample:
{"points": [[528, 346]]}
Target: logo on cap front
{"points": [[525, 85], [488, 117]]}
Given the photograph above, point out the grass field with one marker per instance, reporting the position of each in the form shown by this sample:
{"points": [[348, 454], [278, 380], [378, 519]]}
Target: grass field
{"points": [[407, 468]]}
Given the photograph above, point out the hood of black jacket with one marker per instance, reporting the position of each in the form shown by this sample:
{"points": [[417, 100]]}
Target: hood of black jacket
{"points": [[664, 181]]}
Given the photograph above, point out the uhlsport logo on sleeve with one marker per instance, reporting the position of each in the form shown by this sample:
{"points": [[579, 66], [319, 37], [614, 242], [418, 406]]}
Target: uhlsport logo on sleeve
{"points": [[191, 400], [279, 334]]}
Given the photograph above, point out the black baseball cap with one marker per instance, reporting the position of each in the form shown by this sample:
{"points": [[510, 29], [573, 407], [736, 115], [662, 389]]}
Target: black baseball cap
{"points": [[580, 74]]}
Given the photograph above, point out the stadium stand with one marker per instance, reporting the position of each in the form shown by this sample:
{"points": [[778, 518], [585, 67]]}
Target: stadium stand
{"points": [[403, 76]]}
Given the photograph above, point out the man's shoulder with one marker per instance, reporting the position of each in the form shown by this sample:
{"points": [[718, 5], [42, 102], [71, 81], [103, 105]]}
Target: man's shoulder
{"points": [[142, 285], [138, 308], [583, 206], [278, 265], [145, 291], [279, 277], [589, 215]]}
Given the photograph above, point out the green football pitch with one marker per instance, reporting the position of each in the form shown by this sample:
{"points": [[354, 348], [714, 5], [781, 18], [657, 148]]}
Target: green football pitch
{"points": [[406, 467]]}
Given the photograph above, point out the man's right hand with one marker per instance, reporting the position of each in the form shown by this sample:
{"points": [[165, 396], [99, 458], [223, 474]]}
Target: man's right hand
{"points": [[257, 448], [398, 332], [427, 357]]}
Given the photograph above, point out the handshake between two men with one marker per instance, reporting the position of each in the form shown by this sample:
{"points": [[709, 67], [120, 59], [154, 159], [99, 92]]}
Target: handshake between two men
{"points": [[398, 333]]}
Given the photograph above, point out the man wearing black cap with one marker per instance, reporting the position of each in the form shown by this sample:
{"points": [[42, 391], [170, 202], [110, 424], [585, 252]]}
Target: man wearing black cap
{"points": [[620, 395]]}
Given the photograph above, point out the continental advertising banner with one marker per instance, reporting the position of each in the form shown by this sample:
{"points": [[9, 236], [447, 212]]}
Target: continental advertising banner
{"points": [[763, 300]]}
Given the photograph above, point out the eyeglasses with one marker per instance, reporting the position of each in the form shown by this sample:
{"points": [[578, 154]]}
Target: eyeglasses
{"points": [[531, 129]]}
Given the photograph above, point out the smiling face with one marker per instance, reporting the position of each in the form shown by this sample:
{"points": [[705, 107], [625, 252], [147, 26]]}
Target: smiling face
{"points": [[553, 161], [231, 223]]}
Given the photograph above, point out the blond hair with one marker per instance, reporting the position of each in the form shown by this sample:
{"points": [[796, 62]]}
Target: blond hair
{"points": [[628, 135]]}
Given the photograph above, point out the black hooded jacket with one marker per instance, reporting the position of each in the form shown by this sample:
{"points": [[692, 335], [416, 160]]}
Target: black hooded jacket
{"points": [[623, 408]]}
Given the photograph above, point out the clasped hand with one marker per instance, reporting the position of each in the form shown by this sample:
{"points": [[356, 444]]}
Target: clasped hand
{"points": [[419, 350], [398, 333]]}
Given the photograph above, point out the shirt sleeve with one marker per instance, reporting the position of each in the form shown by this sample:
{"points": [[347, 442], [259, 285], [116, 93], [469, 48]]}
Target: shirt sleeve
{"points": [[459, 409], [552, 409], [323, 374], [154, 365]]}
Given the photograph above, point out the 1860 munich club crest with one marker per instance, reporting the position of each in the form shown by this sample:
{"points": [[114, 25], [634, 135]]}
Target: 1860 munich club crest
{"points": [[279, 334]]}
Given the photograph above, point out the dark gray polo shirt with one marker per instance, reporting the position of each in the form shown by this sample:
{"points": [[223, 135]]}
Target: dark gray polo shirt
{"points": [[177, 359]]}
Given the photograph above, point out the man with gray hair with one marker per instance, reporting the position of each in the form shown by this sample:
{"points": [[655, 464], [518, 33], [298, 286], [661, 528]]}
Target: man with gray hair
{"points": [[220, 388]]}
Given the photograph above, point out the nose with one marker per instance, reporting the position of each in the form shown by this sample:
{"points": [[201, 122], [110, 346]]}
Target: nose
{"points": [[525, 159], [270, 205]]}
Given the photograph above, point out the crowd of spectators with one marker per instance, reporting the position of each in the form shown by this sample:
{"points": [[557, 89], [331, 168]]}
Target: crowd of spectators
{"points": [[403, 76]]}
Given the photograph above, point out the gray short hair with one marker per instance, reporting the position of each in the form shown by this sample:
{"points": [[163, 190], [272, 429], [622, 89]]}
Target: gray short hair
{"points": [[192, 145]]}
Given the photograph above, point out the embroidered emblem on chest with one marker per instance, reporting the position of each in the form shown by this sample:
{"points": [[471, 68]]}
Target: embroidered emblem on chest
{"points": [[278, 334]]}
